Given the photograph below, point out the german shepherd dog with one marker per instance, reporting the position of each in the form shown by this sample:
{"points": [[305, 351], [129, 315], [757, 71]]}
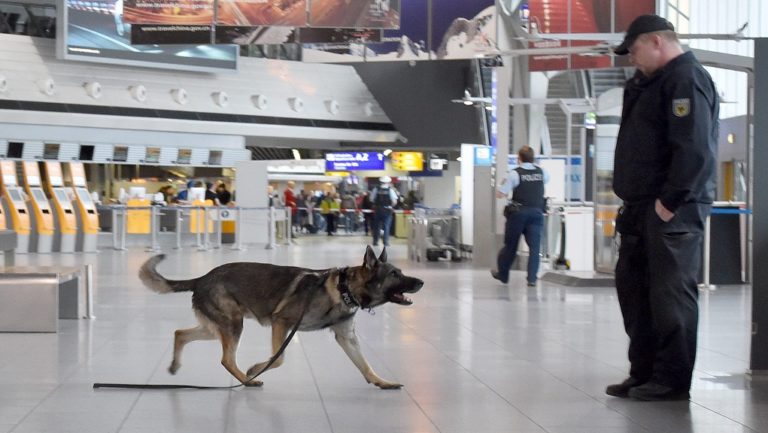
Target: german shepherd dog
{"points": [[278, 296]]}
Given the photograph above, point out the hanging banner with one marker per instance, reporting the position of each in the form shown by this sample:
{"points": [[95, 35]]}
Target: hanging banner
{"points": [[170, 12], [380, 14], [460, 29], [292, 13]]}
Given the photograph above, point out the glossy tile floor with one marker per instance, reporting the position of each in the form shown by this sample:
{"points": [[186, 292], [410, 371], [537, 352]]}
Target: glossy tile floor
{"points": [[475, 356]]}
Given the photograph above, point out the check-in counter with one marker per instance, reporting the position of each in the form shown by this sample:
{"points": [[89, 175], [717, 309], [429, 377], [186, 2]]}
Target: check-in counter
{"points": [[15, 206], [42, 226], [64, 211], [87, 216]]}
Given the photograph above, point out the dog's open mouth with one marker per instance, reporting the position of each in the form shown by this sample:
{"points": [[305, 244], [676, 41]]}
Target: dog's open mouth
{"points": [[399, 298]]}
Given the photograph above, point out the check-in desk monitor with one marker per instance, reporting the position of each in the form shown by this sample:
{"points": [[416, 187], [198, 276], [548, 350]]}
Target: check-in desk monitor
{"points": [[41, 239], [64, 210], [88, 218], [15, 206]]}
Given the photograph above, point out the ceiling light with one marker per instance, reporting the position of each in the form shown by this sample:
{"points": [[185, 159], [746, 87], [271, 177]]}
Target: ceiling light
{"points": [[259, 101], [368, 109], [296, 154], [47, 86], [138, 92], [296, 104], [220, 98], [93, 89], [332, 106], [180, 96]]}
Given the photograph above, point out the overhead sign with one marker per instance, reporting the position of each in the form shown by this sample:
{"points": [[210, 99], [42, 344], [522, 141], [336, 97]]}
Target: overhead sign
{"points": [[407, 161], [350, 161]]}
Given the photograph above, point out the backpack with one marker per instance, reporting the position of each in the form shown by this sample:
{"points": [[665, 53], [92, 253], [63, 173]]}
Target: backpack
{"points": [[383, 199]]}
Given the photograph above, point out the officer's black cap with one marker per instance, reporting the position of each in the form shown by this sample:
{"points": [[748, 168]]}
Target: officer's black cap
{"points": [[641, 25]]}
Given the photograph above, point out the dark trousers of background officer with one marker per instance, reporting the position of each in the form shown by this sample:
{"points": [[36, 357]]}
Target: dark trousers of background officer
{"points": [[656, 281], [528, 221], [382, 220]]}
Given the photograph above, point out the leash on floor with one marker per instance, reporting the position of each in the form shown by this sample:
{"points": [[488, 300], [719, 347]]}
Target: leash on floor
{"points": [[169, 386]]}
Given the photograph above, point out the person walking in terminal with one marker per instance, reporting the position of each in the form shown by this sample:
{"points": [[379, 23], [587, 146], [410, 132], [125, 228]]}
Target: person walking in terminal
{"points": [[664, 171], [525, 215], [384, 200]]}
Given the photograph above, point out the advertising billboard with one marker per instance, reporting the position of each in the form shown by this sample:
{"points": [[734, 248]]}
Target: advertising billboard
{"points": [[100, 34]]}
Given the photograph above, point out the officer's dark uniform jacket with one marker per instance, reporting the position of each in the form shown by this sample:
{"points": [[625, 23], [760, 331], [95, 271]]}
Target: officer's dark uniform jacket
{"points": [[530, 191], [668, 138]]}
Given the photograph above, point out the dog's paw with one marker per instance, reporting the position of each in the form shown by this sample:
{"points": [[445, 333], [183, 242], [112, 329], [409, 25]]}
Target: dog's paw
{"points": [[174, 367], [388, 385], [254, 382]]}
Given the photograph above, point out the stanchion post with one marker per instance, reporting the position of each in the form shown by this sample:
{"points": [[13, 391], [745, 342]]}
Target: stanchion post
{"points": [[89, 292], [238, 240], [154, 224], [179, 227], [206, 233], [202, 238], [123, 227], [114, 229], [271, 241], [219, 228]]}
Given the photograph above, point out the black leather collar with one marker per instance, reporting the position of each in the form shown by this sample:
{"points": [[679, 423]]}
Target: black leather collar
{"points": [[343, 287]]}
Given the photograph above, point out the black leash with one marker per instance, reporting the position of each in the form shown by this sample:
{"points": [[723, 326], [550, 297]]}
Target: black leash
{"points": [[169, 386], [266, 367]]}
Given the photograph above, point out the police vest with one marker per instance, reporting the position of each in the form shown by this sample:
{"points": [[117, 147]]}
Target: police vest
{"points": [[383, 199], [530, 191]]}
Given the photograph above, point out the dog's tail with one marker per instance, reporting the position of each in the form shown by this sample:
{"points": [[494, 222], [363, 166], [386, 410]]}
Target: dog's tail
{"points": [[156, 282]]}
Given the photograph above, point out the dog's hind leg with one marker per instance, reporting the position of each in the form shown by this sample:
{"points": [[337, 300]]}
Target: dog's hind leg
{"points": [[230, 338], [184, 336], [347, 339], [279, 332]]}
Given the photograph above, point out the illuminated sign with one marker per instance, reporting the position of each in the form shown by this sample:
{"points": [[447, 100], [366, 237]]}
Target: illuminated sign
{"points": [[407, 161], [350, 161]]}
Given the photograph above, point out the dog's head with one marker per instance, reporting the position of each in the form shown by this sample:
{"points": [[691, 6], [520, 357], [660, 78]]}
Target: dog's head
{"points": [[383, 282]]}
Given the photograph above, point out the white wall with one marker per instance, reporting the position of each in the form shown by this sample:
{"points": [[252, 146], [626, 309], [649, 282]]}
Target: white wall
{"points": [[440, 192]]}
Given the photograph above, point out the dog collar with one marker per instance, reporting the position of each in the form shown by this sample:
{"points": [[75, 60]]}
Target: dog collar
{"points": [[343, 288]]}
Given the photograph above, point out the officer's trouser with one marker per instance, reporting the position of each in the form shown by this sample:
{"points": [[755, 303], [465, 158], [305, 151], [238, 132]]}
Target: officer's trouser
{"points": [[656, 280]]}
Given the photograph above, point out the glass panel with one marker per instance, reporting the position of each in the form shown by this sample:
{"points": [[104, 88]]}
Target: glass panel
{"points": [[606, 203]]}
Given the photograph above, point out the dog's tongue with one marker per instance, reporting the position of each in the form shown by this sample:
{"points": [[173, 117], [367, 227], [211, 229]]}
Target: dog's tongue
{"points": [[401, 299]]}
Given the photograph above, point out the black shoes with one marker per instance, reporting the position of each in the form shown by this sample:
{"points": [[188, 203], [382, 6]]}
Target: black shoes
{"points": [[495, 275], [622, 389], [531, 283], [657, 392], [646, 391]]}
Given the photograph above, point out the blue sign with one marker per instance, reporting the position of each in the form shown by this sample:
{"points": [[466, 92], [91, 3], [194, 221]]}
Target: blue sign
{"points": [[483, 156], [351, 161]]}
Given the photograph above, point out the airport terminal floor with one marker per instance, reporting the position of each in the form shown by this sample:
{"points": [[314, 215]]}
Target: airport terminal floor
{"points": [[474, 356]]}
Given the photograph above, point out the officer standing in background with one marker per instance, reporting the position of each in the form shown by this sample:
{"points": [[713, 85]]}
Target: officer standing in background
{"points": [[384, 200], [664, 171], [526, 182]]}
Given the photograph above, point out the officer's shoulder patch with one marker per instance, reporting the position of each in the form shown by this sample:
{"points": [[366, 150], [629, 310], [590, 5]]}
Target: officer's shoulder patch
{"points": [[681, 107]]}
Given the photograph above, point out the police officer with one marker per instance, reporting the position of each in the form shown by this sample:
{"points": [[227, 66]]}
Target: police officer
{"points": [[664, 171], [527, 185], [384, 199]]}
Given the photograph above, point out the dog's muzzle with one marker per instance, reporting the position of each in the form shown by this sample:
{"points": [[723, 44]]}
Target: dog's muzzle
{"points": [[412, 286]]}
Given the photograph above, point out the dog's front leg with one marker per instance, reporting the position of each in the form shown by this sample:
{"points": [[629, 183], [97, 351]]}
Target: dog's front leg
{"points": [[279, 332], [345, 336]]}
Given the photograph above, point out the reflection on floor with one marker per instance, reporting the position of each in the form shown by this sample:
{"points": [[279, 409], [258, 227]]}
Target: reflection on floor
{"points": [[475, 356]]}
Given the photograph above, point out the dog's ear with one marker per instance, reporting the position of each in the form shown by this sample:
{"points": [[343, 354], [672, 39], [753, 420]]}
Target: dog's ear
{"points": [[370, 258], [383, 255]]}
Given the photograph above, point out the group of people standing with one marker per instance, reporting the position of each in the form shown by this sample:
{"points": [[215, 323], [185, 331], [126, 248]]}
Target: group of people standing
{"points": [[373, 209], [219, 194]]}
